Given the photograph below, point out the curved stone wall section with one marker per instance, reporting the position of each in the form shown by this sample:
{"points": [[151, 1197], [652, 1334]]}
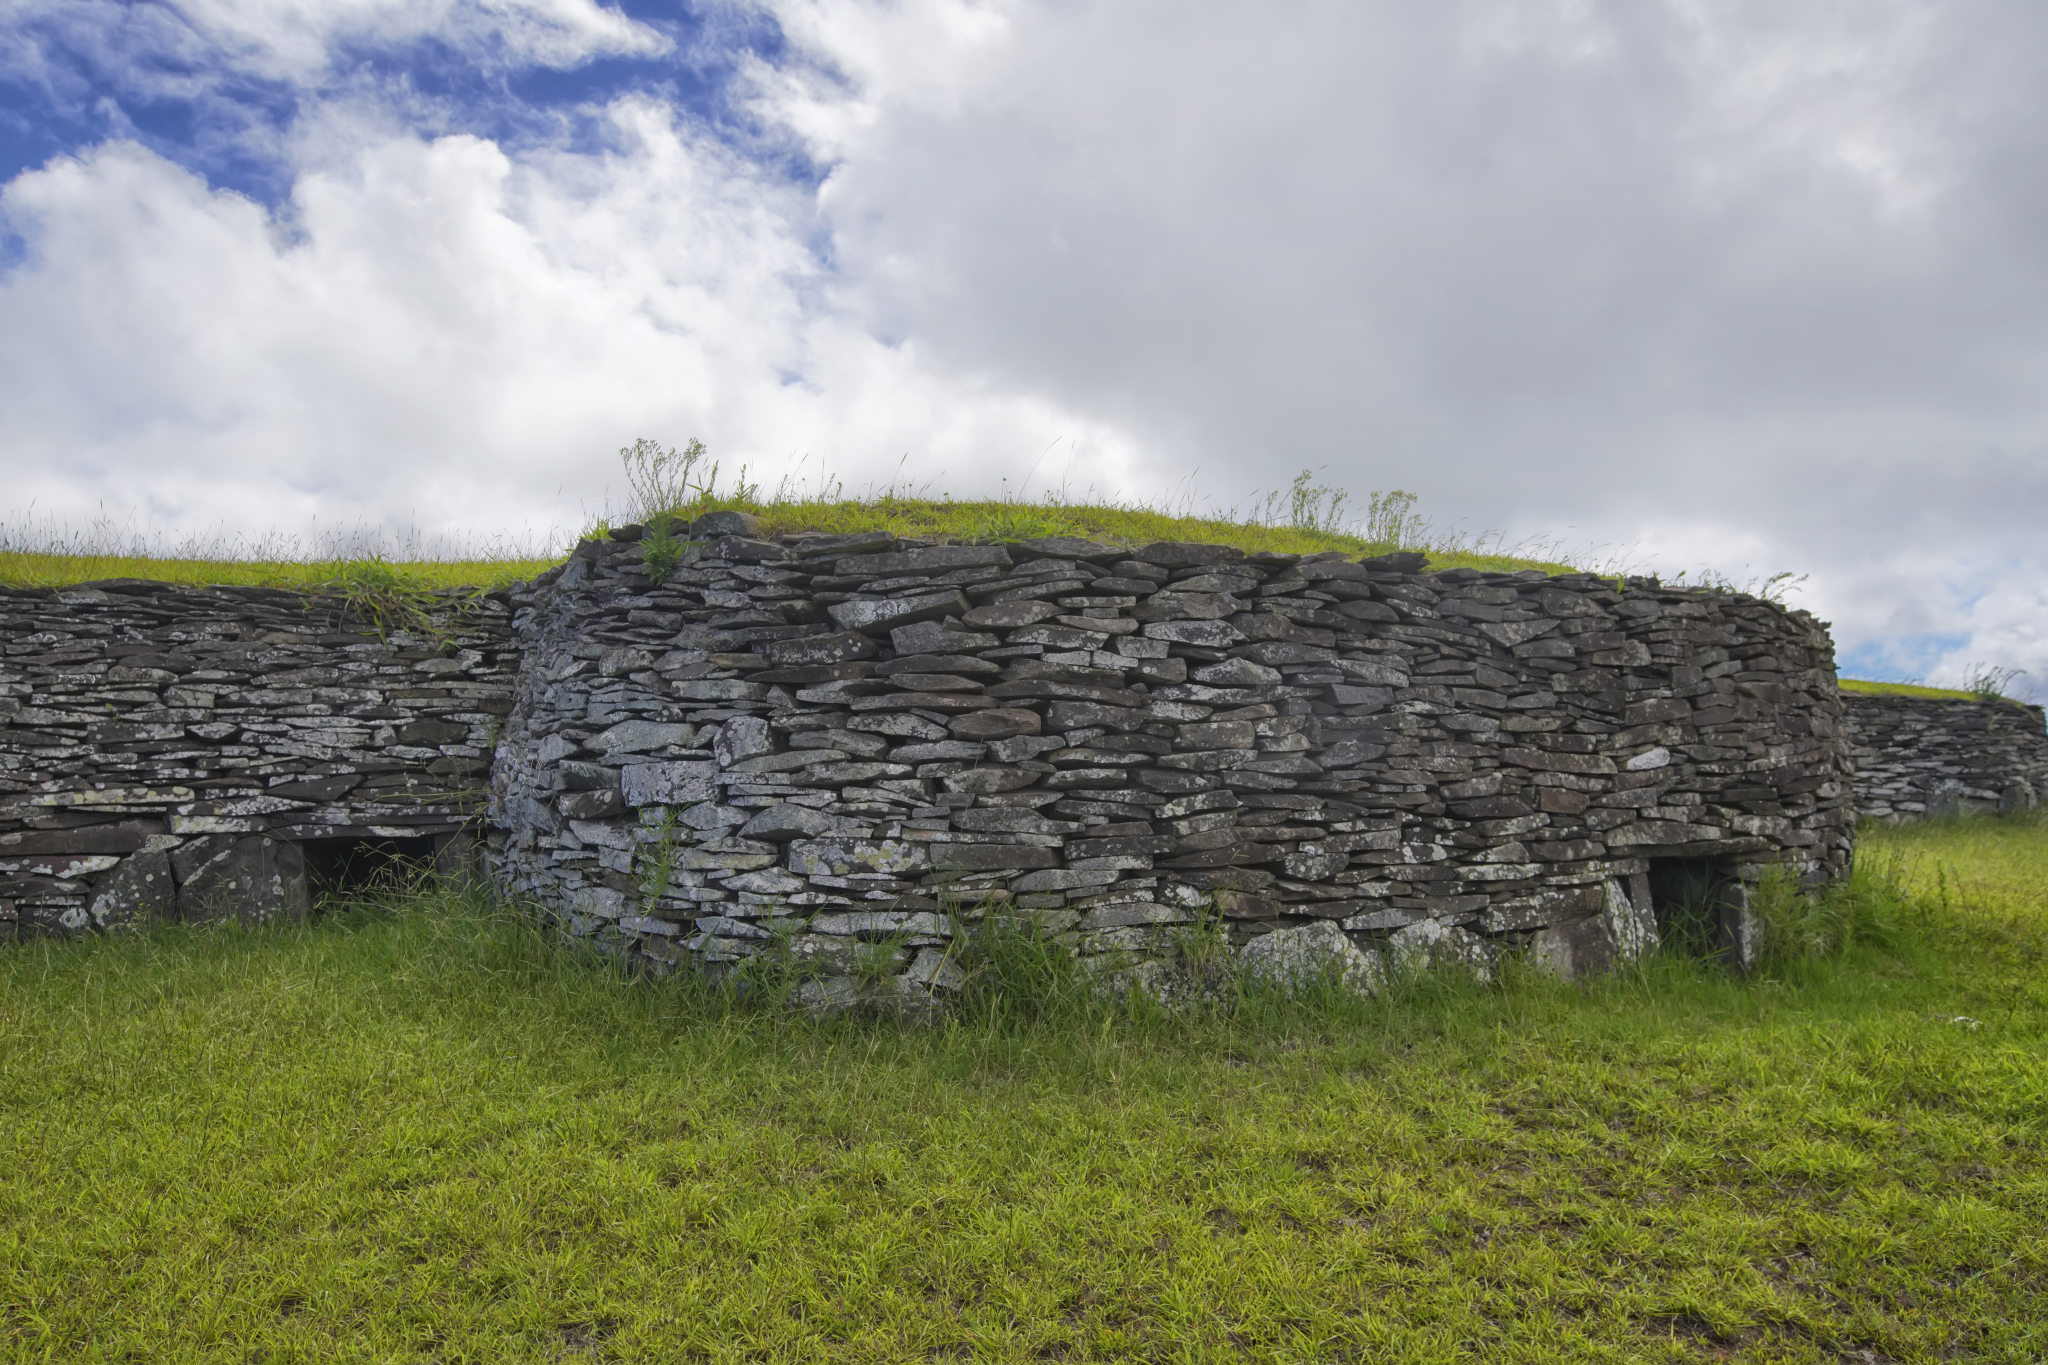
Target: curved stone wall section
{"points": [[1925, 756], [839, 747], [171, 752]]}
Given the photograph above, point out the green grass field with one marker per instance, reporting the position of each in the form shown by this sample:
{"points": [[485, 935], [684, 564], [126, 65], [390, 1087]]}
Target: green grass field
{"points": [[435, 1137]]}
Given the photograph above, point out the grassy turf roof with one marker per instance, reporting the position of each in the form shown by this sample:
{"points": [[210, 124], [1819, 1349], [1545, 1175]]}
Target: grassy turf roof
{"points": [[1884, 689], [916, 518]]}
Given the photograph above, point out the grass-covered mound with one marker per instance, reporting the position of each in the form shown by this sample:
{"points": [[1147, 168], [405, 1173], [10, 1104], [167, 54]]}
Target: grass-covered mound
{"points": [[20, 569], [1861, 688], [908, 517], [1307, 519], [436, 1136], [1112, 525]]}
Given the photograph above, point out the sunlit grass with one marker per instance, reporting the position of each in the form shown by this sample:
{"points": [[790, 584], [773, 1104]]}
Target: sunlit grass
{"points": [[22, 570], [1885, 689], [1133, 526], [1305, 519], [903, 517], [423, 1132]]}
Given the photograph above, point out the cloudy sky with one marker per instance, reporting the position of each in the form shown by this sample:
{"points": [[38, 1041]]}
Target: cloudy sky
{"points": [[1754, 285]]}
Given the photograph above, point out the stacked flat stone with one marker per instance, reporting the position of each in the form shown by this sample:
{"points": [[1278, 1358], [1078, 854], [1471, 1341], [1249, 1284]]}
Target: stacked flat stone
{"points": [[166, 751], [844, 747], [1920, 757]]}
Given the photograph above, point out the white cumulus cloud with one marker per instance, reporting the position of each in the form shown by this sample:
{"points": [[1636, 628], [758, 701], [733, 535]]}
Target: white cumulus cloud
{"points": [[438, 335]]}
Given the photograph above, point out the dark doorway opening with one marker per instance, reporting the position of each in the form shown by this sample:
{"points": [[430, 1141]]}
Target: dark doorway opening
{"points": [[1697, 902], [355, 869]]}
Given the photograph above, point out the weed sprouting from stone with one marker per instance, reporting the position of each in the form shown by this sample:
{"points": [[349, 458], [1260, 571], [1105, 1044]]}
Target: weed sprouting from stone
{"points": [[662, 547], [668, 493], [657, 855], [1778, 587], [1312, 507], [1989, 682], [391, 597], [664, 481]]}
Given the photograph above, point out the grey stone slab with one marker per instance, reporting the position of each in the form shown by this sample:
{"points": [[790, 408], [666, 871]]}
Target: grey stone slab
{"points": [[643, 736], [783, 822], [1212, 634], [880, 616], [250, 878], [138, 893], [1293, 960], [931, 559], [816, 650], [667, 784]]}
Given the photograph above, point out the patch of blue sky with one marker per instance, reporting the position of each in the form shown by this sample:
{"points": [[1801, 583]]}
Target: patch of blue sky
{"points": [[72, 76], [1902, 658], [77, 74]]}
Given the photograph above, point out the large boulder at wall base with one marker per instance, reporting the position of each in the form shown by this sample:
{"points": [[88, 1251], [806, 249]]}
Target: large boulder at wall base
{"points": [[253, 878], [136, 894], [1430, 944], [1295, 959]]}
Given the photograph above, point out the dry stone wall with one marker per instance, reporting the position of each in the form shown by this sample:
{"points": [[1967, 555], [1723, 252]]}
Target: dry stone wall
{"points": [[1918, 757], [841, 750], [176, 753]]}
